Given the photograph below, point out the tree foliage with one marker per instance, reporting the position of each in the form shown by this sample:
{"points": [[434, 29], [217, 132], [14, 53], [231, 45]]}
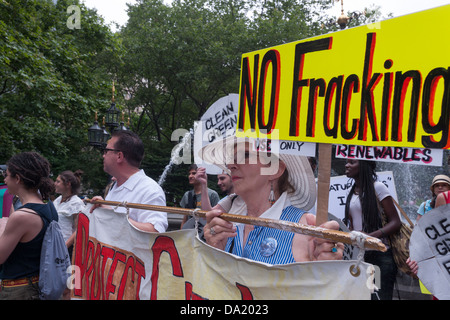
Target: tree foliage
{"points": [[52, 78], [184, 56], [169, 63]]}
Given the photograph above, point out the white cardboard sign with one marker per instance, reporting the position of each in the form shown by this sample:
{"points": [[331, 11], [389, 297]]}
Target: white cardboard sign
{"points": [[430, 247]]}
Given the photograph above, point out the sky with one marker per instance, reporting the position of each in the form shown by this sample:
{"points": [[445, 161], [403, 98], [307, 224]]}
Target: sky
{"points": [[115, 10]]}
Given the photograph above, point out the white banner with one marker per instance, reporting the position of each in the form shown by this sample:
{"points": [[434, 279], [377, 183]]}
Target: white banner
{"points": [[113, 260]]}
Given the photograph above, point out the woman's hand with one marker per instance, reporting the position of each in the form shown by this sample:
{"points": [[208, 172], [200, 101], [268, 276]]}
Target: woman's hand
{"points": [[217, 231], [412, 265], [323, 249]]}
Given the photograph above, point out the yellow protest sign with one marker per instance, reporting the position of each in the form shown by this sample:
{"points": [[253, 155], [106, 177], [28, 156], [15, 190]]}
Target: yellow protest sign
{"points": [[384, 84]]}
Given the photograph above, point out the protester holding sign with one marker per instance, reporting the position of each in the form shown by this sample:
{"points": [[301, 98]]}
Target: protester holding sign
{"points": [[283, 190], [368, 204], [441, 183], [194, 199], [20, 244]]}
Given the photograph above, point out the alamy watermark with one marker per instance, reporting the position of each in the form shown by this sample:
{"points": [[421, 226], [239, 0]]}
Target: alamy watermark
{"points": [[253, 151], [74, 20]]}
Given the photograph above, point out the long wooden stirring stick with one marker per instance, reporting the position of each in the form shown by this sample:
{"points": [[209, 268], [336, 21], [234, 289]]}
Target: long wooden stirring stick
{"points": [[332, 235]]}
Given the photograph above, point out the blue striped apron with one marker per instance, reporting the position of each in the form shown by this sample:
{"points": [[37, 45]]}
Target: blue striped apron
{"points": [[268, 245]]}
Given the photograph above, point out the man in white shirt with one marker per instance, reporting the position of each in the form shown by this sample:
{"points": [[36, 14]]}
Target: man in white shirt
{"points": [[121, 159]]}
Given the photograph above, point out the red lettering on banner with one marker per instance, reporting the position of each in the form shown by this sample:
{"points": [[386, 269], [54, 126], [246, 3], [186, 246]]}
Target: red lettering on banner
{"points": [[106, 272], [80, 254], [190, 294], [107, 253], [164, 244], [246, 294]]}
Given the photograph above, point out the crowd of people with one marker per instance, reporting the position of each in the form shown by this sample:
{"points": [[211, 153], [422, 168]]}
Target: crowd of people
{"points": [[252, 186]]}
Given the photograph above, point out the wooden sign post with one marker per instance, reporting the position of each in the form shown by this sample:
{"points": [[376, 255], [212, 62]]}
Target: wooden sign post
{"points": [[323, 183]]}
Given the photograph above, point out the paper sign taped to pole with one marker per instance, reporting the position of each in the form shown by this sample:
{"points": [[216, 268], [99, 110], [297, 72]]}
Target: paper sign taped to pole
{"points": [[383, 86], [427, 157], [113, 260]]}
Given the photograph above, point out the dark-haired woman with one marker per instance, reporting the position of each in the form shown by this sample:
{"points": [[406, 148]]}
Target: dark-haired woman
{"points": [[27, 176], [365, 201], [68, 204]]}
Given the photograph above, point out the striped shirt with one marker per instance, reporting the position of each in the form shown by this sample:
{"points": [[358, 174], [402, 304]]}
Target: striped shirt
{"points": [[268, 245]]}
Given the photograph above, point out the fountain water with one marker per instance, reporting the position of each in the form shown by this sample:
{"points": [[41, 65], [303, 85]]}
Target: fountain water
{"points": [[183, 146]]}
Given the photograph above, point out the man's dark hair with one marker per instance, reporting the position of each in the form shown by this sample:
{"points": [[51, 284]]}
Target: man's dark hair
{"points": [[130, 145]]}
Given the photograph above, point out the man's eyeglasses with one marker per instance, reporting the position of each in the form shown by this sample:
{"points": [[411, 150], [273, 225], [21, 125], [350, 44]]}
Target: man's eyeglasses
{"points": [[105, 150]]}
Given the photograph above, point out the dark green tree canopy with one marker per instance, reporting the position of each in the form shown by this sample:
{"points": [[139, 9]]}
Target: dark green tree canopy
{"points": [[52, 78], [169, 63]]}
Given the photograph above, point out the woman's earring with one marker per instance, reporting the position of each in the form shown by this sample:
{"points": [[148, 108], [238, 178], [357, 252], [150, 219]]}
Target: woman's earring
{"points": [[271, 195]]}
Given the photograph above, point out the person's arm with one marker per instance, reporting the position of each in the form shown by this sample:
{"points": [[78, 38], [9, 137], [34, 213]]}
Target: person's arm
{"points": [[71, 239], [20, 226], [413, 266], [214, 198], [144, 226], [150, 220], [420, 211], [393, 220], [440, 200], [183, 203], [201, 177]]}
